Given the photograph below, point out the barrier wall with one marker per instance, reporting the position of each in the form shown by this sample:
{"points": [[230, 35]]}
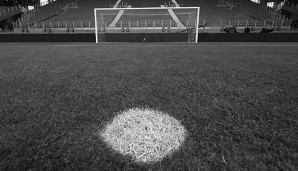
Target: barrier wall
{"points": [[47, 37], [248, 37], [203, 37]]}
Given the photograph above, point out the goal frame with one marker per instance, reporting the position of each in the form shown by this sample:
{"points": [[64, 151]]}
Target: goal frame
{"points": [[197, 20]]}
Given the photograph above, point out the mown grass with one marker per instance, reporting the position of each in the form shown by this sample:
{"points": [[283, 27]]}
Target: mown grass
{"points": [[238, 104]]}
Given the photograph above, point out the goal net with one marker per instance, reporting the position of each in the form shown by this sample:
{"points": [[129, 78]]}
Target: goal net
{"points": [[162, 24]]}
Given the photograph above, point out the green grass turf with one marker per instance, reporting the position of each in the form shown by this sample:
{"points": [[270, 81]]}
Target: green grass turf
{"points": [[239, 104]]}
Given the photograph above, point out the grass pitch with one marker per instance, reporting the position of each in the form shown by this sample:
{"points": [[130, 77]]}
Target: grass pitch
{"points": [[238, 103]]}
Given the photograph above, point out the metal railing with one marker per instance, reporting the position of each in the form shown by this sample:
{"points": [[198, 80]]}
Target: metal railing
{"points": [[218, 23]]}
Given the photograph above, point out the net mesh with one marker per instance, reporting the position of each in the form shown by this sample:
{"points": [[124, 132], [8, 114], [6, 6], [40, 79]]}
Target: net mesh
{"points": [[146, 24]]}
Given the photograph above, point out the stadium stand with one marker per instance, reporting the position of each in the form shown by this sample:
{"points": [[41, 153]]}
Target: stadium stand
{"points": [[289, 7], [144, 3], [158, 19], [2, 10], [6, 12], [79, 13], [213, 15], [46, 12], [256, 11]]}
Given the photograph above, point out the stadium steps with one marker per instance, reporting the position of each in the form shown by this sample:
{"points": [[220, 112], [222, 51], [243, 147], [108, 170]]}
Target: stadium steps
{"points": [[292, 10], [257, 11], [83, 14], [117, 4], [6, 12], [213, 15], [116, 19], [175, 3], [148, 18], [176, 19], [145, 3], [48, 11]]}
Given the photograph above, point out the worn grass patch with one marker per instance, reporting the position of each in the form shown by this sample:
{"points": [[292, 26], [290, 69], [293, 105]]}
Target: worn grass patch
{"points": [[145, 134]]}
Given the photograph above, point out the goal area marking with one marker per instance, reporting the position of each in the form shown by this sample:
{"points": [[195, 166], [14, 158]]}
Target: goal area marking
{"points": [[162, 24]]}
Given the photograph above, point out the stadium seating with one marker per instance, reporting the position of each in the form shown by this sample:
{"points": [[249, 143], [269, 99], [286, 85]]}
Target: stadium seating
{"points": [[289, 7], [81, 13], [256, 11], [145, 3], [7, 12], [158, 20], [213, 15], [152, 18], [243, 12], [4, 10], [46, 12]]}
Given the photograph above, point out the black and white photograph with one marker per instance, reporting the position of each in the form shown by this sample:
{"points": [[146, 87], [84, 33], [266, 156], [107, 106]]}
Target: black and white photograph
{"points": [[149, 85]]}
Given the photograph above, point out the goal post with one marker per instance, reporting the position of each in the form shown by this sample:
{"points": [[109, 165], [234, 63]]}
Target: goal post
{"points": [[160, 24]]}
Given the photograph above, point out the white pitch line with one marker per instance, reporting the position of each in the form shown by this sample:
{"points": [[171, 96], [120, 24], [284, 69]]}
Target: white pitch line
{"points": [[172, 44], [176, 45]]}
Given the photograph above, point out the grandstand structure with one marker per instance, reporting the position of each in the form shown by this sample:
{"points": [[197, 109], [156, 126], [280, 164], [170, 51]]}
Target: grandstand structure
{"points": [[255, 11], [78, 16], [8, 14], [9, 11]]}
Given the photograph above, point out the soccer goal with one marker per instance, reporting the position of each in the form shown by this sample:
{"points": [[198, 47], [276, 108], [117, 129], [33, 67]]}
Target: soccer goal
{"points": [[162, 24]]}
